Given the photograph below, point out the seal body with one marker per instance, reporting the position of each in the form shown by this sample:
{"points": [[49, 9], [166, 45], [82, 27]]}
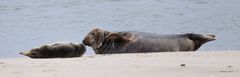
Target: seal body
{"points": [[105, 42], [56, 50]]}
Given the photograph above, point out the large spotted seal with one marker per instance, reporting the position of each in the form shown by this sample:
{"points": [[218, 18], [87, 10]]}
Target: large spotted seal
{"points": [[56, 50], [106, 42]]}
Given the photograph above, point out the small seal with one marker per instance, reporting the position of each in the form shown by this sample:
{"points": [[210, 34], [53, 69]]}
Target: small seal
{"points": [[56, 50]]}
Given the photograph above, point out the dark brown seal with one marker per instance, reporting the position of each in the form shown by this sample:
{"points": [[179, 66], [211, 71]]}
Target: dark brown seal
{"points": [[56, 50], [106, 42]]}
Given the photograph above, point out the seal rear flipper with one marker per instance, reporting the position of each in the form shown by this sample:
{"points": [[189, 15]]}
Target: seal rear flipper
{"points": [[29, 54], [211, 37], [25, 53], [200, 39]]}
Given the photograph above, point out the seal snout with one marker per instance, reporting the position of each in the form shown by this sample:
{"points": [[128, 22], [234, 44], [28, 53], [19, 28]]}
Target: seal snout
{"points": [[86, 42]]}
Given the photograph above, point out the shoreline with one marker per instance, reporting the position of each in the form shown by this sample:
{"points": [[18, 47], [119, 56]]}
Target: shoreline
{"points": [[163, 64]]}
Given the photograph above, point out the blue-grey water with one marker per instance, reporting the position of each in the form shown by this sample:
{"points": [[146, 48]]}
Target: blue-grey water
{"points": [[25, 24]]}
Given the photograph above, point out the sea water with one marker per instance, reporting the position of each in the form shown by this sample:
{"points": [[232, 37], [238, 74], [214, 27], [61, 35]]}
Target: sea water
{"points": [[25, 24]]}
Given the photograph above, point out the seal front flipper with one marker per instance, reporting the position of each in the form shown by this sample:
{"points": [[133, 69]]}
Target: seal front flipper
{"points": [[119, 37], [56, 50]]}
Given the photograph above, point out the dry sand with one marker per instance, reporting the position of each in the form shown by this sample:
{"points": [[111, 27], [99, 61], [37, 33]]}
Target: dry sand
{"points": [[167, 64]]}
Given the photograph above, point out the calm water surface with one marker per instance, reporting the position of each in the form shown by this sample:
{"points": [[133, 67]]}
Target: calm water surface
{"points": [[25, 24]]}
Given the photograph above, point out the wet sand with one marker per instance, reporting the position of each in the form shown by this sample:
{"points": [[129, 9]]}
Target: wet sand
{"points": [[167, 64]]}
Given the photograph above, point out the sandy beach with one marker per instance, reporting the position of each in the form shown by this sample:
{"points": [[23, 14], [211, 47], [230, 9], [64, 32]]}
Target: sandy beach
{"points": [[167, 64]]}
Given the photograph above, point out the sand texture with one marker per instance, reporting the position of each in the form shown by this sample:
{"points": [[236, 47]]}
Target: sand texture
{"points": [[167, 64]]}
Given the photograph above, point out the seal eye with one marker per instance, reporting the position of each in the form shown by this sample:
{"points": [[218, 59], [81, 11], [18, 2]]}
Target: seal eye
{"points": [[93, 34]]}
